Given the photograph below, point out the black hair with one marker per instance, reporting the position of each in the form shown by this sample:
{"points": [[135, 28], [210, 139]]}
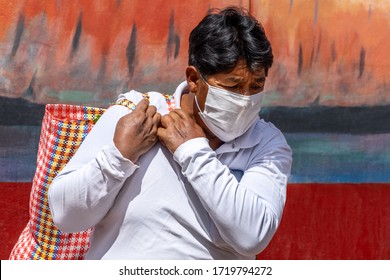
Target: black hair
{"points": [[224, 37]]}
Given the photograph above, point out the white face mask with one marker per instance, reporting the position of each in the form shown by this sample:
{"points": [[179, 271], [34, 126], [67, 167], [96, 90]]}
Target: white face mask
{"points": [[229, 115]]}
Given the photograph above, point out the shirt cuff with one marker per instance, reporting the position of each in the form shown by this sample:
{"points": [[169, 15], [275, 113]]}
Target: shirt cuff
{"points": [[189, 148], [117, 164]]}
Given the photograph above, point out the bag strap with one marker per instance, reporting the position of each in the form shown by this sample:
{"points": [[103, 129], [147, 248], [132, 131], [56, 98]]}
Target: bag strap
{"points": [[131, 105], [127, 103]]}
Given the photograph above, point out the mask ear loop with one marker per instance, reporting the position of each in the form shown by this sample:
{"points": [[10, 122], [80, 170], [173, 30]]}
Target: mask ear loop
{"points": [[204, 80], [197, 105], [196, 99]]}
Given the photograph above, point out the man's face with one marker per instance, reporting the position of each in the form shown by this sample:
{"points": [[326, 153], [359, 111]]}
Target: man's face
{"points": [[240, 80]]}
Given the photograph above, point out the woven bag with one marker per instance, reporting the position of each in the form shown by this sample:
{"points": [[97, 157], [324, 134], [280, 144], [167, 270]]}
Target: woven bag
{"points": [[64, 127]]}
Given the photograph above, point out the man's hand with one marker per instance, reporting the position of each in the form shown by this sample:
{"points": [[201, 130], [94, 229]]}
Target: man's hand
{"points": [[136, 132], [176, 128]]}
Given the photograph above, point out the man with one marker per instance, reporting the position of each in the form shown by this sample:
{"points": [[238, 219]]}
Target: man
{"points": [[206, 180]]}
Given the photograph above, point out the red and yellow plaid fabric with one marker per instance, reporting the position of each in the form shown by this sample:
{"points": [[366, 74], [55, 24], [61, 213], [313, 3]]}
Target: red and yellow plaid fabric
{"points": [[64, 128]]}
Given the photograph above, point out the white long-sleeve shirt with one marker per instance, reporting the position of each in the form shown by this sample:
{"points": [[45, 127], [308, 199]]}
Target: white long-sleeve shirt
{"points": [[194, 204]]}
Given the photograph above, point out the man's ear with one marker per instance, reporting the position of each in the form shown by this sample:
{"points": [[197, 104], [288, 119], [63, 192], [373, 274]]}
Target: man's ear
{"points": [[193, 77]]}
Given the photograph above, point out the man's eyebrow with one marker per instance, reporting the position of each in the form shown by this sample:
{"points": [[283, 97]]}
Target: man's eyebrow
{"points": [[234, 79], [260, 79], [239, 79]]}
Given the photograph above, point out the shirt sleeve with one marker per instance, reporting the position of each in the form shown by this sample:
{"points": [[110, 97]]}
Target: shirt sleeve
{"points": [[247, 212], [84, 191]]}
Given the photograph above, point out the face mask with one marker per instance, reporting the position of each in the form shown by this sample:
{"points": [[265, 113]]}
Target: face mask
{"points": [[229, 115]]}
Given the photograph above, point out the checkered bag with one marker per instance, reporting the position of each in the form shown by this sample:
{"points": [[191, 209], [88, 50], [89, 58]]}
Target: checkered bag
{"points": [[64, 128]]}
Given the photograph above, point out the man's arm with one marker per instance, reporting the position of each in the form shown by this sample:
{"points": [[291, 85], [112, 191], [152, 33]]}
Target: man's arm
{"points": [[82, 194], [246, 213]]}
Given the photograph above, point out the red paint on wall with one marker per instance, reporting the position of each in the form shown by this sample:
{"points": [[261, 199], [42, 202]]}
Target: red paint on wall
{"points": [[14, 203], [320, 221], [333, 221]]}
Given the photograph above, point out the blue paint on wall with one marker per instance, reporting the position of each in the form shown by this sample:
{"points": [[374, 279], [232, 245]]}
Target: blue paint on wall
{"points": [[18, 152], [340, 158], [318, 157]]}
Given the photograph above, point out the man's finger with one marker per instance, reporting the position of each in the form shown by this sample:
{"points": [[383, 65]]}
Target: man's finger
{"points": [[166, 120], [180, 113], [152, 123], [161, 132], [151, 111], [143, 105], [157, 119]]}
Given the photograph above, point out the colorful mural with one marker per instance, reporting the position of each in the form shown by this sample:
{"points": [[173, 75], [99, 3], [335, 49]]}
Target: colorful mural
{"points": [[90, 51], [332, 52], [327, 90]]}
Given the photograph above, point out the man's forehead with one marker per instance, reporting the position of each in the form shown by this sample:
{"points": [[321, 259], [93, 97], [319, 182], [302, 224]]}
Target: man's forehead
{"points": [[240, 73], [242, 66]]}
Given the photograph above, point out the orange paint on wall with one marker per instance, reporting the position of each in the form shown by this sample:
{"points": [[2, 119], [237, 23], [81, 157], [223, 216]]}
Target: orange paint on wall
{"points": [[344, 58], [8, 15], [326, 52]]}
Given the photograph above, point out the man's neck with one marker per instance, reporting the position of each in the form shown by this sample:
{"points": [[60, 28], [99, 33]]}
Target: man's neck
{"points": [[187, 104]]}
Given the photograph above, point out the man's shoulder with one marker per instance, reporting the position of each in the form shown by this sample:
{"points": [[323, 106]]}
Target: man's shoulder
{"points": [[265, 129], [263, 134]]}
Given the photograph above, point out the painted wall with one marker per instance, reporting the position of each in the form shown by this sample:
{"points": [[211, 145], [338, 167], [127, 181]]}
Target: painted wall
{"points": [[328, 89], [320, 222], [327, 52], [90, 51]]}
